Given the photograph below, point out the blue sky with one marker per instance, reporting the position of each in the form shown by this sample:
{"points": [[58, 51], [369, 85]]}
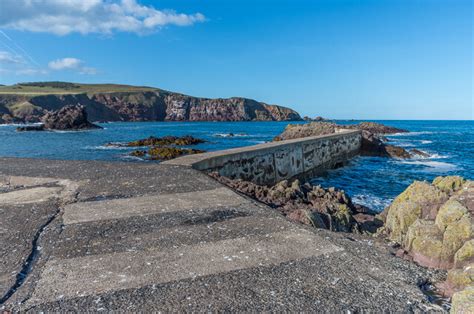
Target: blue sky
{"points": [[380, 59]]}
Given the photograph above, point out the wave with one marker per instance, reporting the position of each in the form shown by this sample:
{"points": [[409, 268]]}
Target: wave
{"points": [[371, 201], [426, 142], [107, 147], [230, 135], [432, 166], [410, 133]]}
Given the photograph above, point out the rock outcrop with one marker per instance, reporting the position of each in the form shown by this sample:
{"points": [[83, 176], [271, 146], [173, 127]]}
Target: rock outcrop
{"points": [[433, 223], [162, 148], [373, 142], [69, 118], [161, 141], [73, 117], [164, 153], [323, 208], [143, 105]]}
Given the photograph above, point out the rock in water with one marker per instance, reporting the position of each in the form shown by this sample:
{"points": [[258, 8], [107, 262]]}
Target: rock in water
{"points": [[72, 117], [434, 225], [372, 140], [26, 128]]}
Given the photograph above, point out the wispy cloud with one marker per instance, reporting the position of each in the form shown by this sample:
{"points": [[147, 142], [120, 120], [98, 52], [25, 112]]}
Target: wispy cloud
{"points": [[71, 64], [10, 58], [62, 17]]}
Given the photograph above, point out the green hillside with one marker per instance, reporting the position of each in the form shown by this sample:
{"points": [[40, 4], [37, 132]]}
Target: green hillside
{"points": [[61, 88]]}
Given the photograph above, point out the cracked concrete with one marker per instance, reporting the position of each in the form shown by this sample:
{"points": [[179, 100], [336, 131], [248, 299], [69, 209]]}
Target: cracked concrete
{"points": [[151, 237]]}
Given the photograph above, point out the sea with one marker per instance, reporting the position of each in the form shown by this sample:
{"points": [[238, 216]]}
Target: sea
{"points": [[370, 181]]}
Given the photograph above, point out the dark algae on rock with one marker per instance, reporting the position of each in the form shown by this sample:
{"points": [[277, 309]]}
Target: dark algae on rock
{"points": [[162, 148]]}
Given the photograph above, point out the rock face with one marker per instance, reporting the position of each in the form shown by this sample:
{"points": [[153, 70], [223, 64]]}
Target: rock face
{"points": [[155, 105], [68, 118], [372, 136], [433, 223], [323, 208]]}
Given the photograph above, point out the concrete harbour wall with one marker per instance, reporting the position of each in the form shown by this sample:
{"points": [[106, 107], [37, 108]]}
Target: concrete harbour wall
{"points": [[276, 161]]}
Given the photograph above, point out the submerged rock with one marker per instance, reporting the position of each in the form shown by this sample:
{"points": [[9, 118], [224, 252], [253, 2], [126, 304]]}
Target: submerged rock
{"points": [[72, 117], [312, 205], [25, 128], [433, 223]]}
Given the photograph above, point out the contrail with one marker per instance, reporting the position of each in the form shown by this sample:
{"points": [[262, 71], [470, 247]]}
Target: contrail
{"points": [[19, 48]]}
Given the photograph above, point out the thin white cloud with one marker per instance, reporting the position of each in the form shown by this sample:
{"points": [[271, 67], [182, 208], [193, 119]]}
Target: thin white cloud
{"points": [[10, 58], [62, 17], [71, 64]]}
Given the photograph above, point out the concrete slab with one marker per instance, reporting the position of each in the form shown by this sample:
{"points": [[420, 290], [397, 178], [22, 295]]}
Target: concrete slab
{"points": [[98, 274], [145, 205], [29, 196]]}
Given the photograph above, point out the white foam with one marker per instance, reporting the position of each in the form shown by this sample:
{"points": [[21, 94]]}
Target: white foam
{"points": [[371, 201], [426, 142], [433, 166], [230, 135], [410, 133]]}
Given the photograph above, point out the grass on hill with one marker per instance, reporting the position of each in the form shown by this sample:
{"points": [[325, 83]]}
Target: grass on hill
{"points": [[42, 88]]}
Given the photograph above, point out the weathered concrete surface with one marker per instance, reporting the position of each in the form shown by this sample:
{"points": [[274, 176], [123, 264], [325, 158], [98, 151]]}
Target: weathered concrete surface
{"points": [[223, 253], [270, 163]]}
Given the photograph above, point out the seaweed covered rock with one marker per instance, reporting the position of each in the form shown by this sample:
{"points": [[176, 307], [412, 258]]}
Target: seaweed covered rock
{"points": [[322, 208], [433, 223], [164, 153], [72, 117], [164, 141]]}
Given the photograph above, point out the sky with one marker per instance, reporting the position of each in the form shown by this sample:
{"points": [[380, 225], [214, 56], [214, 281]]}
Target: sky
{"points": [[342, 59]]}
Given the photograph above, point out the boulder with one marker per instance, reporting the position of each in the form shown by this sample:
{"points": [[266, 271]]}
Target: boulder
{"points": [[72, 117], [462, 302], [434, 225]]}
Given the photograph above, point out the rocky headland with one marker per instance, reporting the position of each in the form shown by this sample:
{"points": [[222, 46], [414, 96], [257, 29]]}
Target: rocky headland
{"points": [[373, 141], [29, 102]]}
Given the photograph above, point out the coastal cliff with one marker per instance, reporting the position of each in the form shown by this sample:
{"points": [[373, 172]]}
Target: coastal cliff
{"points": [[29, 102]]}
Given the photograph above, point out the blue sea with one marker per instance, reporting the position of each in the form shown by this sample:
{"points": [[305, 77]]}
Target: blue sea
{"points": [[370, 181]]}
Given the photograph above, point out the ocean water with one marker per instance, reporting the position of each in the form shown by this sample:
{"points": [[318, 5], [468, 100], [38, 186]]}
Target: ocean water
{"points": [[370, 181]]}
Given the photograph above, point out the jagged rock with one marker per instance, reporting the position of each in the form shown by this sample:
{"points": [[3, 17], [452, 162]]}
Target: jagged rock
{"points": [[372, 140], [312, 205], [434, 225], [72, 117], [376, 128]]}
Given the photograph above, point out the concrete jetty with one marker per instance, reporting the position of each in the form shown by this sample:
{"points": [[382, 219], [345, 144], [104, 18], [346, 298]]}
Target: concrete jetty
{"points": [[113, 236]]}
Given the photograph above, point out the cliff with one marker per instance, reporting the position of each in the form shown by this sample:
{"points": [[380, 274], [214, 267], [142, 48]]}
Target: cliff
{"points": [[29, 102]]}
